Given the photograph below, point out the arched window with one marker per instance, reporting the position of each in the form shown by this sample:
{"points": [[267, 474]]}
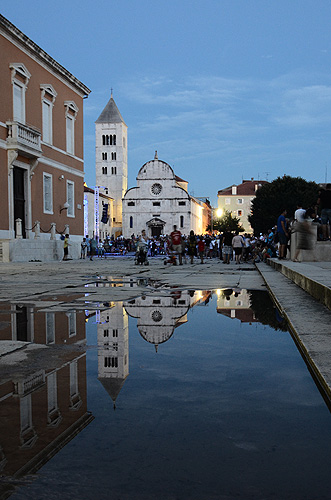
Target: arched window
{"points": [[103, 140], [182, 221], [104, 156], [113, 156], [114, 140], [104, 170], [131, 222], [107, 140]]}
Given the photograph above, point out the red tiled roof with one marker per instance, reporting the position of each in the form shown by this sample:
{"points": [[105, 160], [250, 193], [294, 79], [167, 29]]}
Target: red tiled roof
{"points": [[245, 188]]}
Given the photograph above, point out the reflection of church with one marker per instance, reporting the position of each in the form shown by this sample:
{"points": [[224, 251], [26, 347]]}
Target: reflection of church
{"points": [[43, 405], [158, 316]]}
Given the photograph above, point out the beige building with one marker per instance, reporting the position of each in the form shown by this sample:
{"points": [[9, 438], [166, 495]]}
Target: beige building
{"points": [[237, 199], [41, 150]]}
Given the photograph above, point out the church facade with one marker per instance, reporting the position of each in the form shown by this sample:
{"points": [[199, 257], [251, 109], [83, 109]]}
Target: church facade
{"points": [[161, 200]]}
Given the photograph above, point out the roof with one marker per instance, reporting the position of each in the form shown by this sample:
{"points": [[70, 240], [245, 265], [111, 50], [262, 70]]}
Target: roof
{"points": [[90, 190], [42, 55], [179, 179], [110, 113], [245, 188]]}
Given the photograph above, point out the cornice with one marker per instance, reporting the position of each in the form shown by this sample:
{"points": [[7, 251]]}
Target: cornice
{"points": [[13, 32]]}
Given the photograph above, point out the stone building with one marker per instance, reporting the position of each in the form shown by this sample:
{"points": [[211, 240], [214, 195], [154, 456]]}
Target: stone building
{"points": [[237, 199], [111, 159], [41, 150], [161, 200]]}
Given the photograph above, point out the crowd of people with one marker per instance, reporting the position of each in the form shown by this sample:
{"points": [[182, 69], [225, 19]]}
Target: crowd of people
{"points": [[229, 246]]}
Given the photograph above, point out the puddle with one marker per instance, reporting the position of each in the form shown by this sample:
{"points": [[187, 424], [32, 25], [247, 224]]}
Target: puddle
{"points": [[180, 394]]}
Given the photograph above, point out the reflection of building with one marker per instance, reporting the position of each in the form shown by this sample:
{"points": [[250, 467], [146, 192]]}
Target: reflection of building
{"points": [[41, 150], [158, 316], [160, 201], [113, 349], [236, 303], [43, 405], [237, 199]]}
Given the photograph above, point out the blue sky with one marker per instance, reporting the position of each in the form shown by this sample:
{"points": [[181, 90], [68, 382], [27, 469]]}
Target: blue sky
{"points": [[223, 89]]}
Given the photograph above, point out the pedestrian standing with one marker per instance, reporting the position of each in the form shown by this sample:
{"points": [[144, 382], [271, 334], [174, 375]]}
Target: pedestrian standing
{"points": [[66, 246]]}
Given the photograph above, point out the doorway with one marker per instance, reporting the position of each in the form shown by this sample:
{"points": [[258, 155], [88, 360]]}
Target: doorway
{"points": [[19, 197], [156, 231]]}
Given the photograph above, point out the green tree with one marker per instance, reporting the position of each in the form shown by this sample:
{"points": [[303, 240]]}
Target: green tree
{"points": [[283, 192], [227, 221]]}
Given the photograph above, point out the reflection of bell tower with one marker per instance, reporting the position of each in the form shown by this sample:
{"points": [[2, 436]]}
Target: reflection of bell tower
{"points": [[113, 349]]}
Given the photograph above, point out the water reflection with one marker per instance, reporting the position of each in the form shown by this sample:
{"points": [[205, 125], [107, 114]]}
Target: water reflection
{"points": [[43, 391], [43, 402]]}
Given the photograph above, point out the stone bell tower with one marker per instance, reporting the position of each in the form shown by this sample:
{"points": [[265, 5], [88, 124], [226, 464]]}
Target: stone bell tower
{"points": [[111, 158]]}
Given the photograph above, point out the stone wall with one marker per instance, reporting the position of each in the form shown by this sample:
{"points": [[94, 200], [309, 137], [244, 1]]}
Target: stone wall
{"points": [[23, 250]]}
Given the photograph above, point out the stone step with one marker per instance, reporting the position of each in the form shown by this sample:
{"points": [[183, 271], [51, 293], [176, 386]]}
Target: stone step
{"points": [[313, 277]]}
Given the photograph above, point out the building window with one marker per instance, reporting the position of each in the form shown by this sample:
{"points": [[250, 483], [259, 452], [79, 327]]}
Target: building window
{"points": [[71, 323], [113, 156], [20, 77], [51, 392], [104, 170], [48, 96], [240, 212], [156, 204], [227, 201], [104, 156], [113, 140], [50, 328], [71, 198], [113, 170], [48, 193], [106, 333], [115, 332], [131, 203], [182, 203], [131, 222], [111, 362], [240, 201], [70, 116], [182, 221]]}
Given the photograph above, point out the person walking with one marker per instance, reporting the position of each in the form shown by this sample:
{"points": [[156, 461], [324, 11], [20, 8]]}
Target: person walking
{"points": [[237, 245], [192, 245], [176, 243], [227, 246], [283, 234], [93, 247], [66, 246]]}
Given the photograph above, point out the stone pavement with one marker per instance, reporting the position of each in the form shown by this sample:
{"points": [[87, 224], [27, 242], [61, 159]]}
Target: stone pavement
{"points": [[62, 286], [292, 286]]}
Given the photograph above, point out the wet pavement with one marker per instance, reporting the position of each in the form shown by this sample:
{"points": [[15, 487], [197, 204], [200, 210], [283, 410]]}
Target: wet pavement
{"points": [[127, 382]]}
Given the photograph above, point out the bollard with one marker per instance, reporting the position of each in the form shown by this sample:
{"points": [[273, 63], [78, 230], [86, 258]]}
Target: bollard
{"points": [[37, 229], [18, 223]]}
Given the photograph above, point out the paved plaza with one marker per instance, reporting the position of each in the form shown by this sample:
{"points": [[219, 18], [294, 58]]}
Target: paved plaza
{"points": [[82, 284]]}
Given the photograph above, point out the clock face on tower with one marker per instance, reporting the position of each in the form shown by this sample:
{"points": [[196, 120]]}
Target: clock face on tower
{"points": [[156, 188]]}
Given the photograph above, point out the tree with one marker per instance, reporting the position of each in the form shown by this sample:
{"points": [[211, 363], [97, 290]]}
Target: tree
{"points": [[283, 192], [227, 221]]}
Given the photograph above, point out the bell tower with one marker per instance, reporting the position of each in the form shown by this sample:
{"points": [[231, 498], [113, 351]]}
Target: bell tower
{"points": [[111, 158]]}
